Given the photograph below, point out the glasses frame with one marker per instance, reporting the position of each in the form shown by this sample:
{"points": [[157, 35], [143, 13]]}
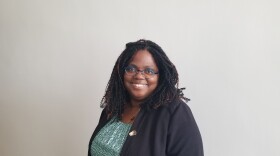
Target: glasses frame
{"points": [[147, 76]]}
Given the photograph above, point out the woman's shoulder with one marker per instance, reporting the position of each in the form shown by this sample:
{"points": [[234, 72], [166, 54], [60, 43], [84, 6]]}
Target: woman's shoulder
{"points": [[175, 109], [177, 106]]}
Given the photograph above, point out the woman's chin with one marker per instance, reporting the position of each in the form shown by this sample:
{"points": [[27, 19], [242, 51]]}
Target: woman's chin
{"points": [[138, 98]]}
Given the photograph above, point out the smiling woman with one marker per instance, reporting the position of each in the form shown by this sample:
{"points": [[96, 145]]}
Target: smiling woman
{"points": [[144, 113]]}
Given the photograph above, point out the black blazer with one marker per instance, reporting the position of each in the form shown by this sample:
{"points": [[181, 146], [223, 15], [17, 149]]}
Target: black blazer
{"points": [[167, 131]]}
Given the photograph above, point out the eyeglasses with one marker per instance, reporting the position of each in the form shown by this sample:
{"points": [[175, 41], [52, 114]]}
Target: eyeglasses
{"points": [[132, 70]]}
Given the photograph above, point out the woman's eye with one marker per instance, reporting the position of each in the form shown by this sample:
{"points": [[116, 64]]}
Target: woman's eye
{"points": [[149, 71], [130, 69]]}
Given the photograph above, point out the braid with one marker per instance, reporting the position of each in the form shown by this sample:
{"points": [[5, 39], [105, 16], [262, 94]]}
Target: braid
{"points": [[167, 90]]}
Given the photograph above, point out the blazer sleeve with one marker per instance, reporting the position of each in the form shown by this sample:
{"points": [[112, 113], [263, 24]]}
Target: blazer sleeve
{"points": [[183, 138], [101, 123]]}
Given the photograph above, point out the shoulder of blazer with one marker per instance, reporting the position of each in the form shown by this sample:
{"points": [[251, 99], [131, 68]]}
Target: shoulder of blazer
{"points": [[175, 105]]}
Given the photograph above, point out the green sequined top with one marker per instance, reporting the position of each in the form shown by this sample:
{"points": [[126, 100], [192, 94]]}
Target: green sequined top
{"points": [[110, 139]]}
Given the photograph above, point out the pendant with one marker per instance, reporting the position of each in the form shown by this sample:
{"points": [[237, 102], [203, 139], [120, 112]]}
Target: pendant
{"points": [[132, 133]]}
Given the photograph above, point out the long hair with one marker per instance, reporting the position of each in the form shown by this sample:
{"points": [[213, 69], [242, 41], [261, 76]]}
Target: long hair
{"points": [[166, 91]]}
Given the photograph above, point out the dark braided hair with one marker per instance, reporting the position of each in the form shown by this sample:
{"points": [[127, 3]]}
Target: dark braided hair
{"points": [[167, 90]]}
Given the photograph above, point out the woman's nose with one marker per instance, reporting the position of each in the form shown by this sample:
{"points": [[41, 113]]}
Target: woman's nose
{"points": [[139, 74]]}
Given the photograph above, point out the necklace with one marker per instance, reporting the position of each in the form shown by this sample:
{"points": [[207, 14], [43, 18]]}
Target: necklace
{"points": [[131, 120]]}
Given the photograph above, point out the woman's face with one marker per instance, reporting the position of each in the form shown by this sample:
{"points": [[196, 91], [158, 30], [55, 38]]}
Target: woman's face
{"points": [[138, 86]]}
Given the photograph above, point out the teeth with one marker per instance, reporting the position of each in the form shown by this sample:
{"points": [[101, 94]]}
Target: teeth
{"points": [[139, 85]]}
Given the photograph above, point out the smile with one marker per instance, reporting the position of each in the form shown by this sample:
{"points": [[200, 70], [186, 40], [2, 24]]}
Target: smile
{"points": [[139, 86]]}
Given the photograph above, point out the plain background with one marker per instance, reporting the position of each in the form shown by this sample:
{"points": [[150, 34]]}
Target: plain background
{"points": [[56, 57]]}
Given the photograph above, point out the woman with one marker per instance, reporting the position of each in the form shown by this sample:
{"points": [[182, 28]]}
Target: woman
{"points": [[144, 114]]}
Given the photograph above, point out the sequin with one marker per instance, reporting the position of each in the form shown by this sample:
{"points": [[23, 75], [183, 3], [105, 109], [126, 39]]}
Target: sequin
{"points": [[110, 139]]}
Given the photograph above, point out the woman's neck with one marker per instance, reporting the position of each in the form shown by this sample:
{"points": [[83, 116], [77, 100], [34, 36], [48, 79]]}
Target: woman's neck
{"points": [[130, 112], [135, 104]]}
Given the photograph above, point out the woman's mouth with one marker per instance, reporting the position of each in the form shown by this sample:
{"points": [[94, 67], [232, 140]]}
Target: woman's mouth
{"points": [[139, 86]]}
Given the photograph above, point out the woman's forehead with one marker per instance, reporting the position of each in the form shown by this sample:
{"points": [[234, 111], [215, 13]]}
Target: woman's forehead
{"points": [[143, 58]]}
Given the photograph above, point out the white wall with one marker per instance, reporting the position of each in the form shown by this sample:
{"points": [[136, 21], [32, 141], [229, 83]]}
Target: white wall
{"points": [[56, 57]]}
